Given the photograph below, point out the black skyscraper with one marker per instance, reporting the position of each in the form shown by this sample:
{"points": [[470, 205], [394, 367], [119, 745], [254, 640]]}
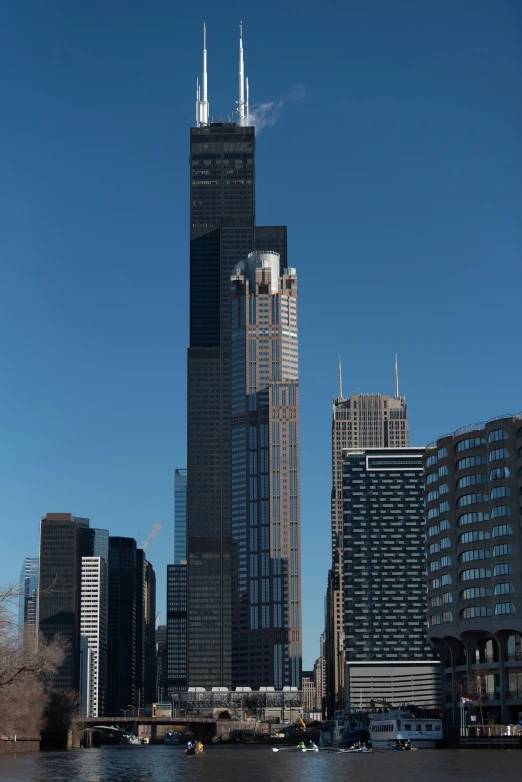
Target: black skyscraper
{"points": [[121, 679], [59, 597]]}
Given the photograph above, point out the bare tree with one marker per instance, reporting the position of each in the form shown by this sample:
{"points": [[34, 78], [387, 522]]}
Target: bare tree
{"points": [[27, 664], [477, 689]]}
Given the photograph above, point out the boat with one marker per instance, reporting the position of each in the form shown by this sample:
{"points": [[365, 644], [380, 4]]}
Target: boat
{"points": [[349, 726], [365, 750], [389, 729], [171, 739]]}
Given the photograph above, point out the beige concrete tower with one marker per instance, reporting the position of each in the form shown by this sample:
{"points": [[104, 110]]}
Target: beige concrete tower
{"points": [[360, 421], [266, 583]]}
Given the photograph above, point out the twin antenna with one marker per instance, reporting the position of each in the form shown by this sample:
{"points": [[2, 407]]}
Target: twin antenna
{"points": [[340, 370], [202, 105]]}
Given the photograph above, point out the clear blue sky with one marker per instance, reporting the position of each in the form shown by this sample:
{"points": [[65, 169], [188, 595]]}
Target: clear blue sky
{"points": [[399, 175]]}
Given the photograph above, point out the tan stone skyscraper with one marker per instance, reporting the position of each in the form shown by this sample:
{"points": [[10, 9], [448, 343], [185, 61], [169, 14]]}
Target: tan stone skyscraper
{"points": [[266, 583], [360, 421]]}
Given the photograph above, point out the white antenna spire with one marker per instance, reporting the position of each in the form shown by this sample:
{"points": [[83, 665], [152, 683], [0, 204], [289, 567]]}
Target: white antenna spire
{"points": [[241, 101], [197, 103], [396, 377], [340, 379], [203, 103], [246, 101]]}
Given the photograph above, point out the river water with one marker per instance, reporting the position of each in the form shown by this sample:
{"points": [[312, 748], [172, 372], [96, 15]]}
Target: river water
{"points": [[258, 764]]}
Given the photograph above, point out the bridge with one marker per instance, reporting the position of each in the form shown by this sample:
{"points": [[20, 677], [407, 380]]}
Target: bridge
{"points": [[205, 727]]}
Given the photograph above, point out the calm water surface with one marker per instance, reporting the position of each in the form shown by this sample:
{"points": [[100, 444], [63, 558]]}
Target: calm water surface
{"points": [[258, 764]]}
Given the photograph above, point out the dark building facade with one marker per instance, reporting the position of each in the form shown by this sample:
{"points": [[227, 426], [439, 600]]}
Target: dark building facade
{"points": [[161, 651], [59, 590], [472, 490], [222, 233], [176, 663], [122, 624], [383, 547]]}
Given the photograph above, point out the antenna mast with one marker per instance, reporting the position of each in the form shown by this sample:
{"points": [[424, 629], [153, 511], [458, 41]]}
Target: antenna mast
{"points": [[201, 92], [396, 377], [241, 104], [340, 380], [246, 101]]}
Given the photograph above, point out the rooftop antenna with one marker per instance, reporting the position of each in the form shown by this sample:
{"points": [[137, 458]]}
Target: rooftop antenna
{"points": [[246, 101], [241, 101], [340, 380], [201, 96], [396, 377]]}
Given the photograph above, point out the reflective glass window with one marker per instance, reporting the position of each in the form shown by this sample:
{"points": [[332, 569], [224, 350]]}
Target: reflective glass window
{"points": [[443, 488], [471, 499], [433, 513], [471, 537], [502, 550], [444, 524], [472, 518], [473, 592], [469, 575], [498, 453], [476, 553], [500, 510], [441, 453], [504, 608], [431, 460], [436, 601], [446, 598], [445, 543], [497, 434], [434, 548], [431, 477], [474, 611], [503, 569], [447, 616], [471, 442], [499, 472], [471, 480], [445, 561], [443, 470], [434, 583], [444, 506], [500, 491], [433, 530], [500, 530], [505, 588], [470, 461], [445, 579], [432, 495]]}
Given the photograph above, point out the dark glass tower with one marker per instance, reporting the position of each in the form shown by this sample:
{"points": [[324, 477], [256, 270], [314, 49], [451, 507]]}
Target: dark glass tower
{"points": [[222, 233], [121, 679]]}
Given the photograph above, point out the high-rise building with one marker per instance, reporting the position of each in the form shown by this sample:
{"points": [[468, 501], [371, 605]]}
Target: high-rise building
{"points": [[320, 676], [180, 515], [384, 629], [177, 673], [145, 629], [121, 673], [265, 474], [28, 595], [93, 628], [176, 661], [161, 652], [222, 234], [358, 421], [59, 590], [94, 543], [472, 491]]}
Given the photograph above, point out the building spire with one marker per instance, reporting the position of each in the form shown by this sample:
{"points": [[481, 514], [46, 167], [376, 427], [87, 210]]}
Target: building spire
{"points": [[241, 102], [201, 92], [340, 379], [396, 377]]}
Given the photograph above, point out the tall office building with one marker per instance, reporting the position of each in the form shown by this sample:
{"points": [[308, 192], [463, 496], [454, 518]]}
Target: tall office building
{"points": [[59, 590], [161, 652], [180, 515], [176, 660], [222, 234], [93, 628], [265, 474], [121, 678], [28, 595], [472, 490], [387, 652], [94, 543], [358, 421], [145, 629]]}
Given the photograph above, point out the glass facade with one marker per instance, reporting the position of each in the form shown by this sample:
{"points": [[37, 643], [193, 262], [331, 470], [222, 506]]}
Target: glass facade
{"points": [[121, 678], [28, 594], [176, 628], [180, 515]]}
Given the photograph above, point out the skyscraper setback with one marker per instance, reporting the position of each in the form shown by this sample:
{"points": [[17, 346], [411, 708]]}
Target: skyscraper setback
{"points": [[222, 235]]}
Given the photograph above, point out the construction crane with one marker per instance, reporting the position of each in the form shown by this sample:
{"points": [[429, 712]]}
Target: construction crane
{"points": [[303, 725], [158, 616], [154, 531]]}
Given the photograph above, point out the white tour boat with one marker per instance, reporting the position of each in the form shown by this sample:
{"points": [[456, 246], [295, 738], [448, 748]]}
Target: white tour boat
{"points": [[400, 725]]}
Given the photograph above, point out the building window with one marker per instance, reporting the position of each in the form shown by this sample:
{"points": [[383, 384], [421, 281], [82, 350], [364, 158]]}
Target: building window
{"points": [[433, 531], [497, 473], [500, 491], [501, 530], [497, 434], [447, 616], [435, 583], [476, 553], [432, 495], [502, 551], [474, 592], [472, 518], [473, 442], [441, 453], [431, 460], [471, 480], [432, 477], [503, 569], [470, 575], [445, 543], [470, 461], [447, 598], [505, 588], [433, 513], [504, 608], [498, 453], [445, 579], [444, 524], [471, 537], [443, 470], [443, 488], [500, 510], [471, 499], [436, 601], [445, 561], [475, 611], [434, 548]]}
